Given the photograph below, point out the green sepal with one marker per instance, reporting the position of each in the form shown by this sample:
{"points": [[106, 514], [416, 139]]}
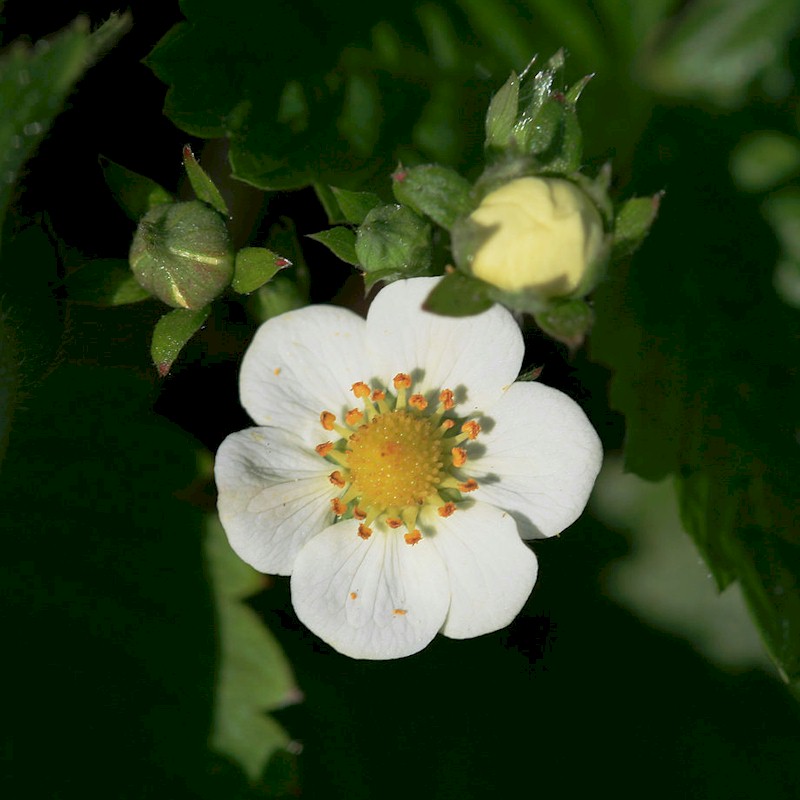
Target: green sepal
{"points": [[340, 241], [502, 114], [458, 295], [546, 128], [568, 321], [434, 191], [632, 224], [355, 205], [394, 240], [171, 334], [254, 266], [204, 188], [104, 282], [136, 194]]}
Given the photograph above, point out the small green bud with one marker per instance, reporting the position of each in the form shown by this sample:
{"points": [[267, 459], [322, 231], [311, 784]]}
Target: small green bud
{"points": [[182, 254]]}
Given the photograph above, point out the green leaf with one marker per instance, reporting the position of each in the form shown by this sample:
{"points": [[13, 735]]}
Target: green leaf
{"points": [[355, 205], [171, 334], [136, 194], [327, 114], [254, 676], [764, 159], [204, 187], [458, 295], [704, 357], [394, 239], [340, 241], [435, 191], [104, 282], [254, 266], [715, 48], [632, 224], [35, 82]]}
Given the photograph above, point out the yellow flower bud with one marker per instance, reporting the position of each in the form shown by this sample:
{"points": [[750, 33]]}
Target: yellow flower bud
{"points": [[542, 235]]}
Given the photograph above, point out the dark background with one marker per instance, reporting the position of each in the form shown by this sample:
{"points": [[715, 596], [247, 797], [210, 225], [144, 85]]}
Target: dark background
{"points": [[112, 645]]}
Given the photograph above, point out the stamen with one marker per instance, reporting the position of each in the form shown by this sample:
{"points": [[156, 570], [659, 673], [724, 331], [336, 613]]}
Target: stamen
{"points": [[378, 395], [447, 424], [401, 382], [337, 479], [353, 417], [359, 514], [418, 401], [338, 507], [471, 428], [447, 509], [360, 390], [364, 532], [324, 448], [327, 419], [394, 522], [447, 399], [459, 455], [413, 537], [468, 486]]}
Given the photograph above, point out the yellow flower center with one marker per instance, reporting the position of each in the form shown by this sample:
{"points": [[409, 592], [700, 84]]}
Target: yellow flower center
{"points": [[396, 457], [395, 460]]}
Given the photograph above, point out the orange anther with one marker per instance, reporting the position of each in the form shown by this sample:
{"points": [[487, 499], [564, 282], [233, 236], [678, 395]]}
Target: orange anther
{"points": [[336, 478], [471, 428], [324, 448], [353, 416], [418, 401], [338, 507], [447, 399], [364, 532], [327, 419], [468, 486], [378, 395], [459, 455], [360, 389], [401, 612], [393, 522], [358, 513], [402, 381], [446, 510], [353, 595], [276, 371], [413, 537], [447, 424]]}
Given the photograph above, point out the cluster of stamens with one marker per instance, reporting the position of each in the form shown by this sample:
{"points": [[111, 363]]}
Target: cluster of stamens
{"points": [[395, 456]]}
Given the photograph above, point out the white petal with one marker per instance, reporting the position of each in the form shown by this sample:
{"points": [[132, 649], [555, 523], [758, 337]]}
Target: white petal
{"points": [[477, 357], [274, 496], [492, 571], [540, 459], [375, 598], [302, 363]]}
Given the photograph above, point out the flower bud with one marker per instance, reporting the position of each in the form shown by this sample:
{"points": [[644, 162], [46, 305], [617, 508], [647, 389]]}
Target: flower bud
{"points": [[182, 254], [540, 235]]}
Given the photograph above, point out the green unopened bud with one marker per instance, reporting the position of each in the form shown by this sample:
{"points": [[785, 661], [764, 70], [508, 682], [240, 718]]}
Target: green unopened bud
{"points": [[542, 236], [182, 254]]}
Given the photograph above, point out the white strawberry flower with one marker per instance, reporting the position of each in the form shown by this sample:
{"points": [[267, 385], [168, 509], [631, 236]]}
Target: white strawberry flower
{"points": [[398, 468]]}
